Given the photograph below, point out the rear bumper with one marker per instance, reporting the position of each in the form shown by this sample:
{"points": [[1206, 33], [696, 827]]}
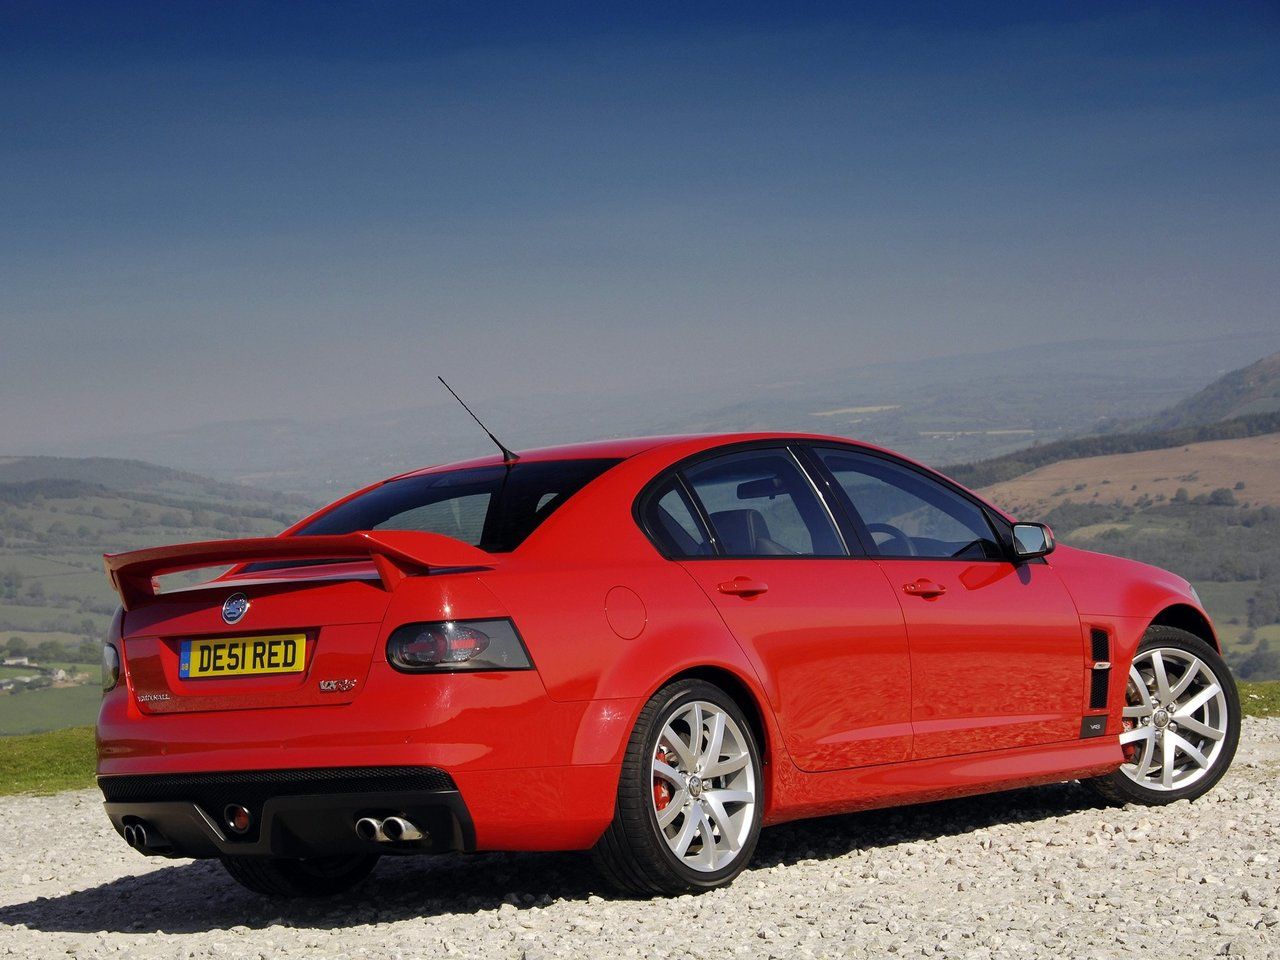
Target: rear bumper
{"points": [[293, 813], [526, 772], [313, 812]]}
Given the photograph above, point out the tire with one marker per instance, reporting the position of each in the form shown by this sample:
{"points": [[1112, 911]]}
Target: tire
{"points": [[313, 877], [1212, 730], [717, 824]]}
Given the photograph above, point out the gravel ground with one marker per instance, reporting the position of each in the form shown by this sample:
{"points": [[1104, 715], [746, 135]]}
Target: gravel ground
{"points": [[1034, 873]]}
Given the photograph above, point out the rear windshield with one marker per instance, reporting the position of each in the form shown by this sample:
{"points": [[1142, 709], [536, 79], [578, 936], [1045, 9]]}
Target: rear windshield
{"points": [[493, 508]]}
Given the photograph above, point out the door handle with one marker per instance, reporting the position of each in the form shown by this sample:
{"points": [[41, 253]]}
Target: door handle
{"points": [[924, 588], [743, 587]]}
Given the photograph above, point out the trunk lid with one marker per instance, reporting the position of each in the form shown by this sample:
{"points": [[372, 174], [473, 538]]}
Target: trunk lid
{"points": [[301, 635]]}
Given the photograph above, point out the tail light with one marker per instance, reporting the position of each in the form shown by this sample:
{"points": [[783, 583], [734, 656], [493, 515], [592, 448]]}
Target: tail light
{"points": [[450, 646], [110, 667], [111, 647]]}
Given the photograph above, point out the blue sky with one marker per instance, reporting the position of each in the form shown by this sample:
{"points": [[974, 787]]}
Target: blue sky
{"points": [[214, 211]]}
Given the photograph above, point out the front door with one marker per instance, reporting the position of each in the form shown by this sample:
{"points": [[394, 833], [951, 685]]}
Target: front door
{"points": [[997, 652], [822, 628]]}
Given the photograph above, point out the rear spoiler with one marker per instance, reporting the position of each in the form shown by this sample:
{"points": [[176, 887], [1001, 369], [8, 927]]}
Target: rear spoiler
{"points": [[395, 553]]}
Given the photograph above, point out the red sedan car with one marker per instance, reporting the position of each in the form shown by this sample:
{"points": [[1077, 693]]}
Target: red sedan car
{"points": [[647, 648]]}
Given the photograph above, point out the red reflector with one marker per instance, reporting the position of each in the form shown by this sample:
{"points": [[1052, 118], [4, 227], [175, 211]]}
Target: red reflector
{"points": [[237, 818]]}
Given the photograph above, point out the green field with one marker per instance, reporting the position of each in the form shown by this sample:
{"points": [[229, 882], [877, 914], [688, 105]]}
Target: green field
{"points": [[64, 759], [47, 762], [35, 711]]}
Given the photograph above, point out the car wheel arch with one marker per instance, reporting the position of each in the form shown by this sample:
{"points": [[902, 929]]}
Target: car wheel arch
{"points": [[1186, 617], [740, 691]]}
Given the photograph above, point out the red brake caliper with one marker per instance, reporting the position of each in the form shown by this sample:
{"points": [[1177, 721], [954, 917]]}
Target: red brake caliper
{"points": [[1130, 750], [661, 790]]}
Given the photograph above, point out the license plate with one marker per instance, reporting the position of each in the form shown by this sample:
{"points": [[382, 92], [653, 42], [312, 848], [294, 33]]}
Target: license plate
{"points": [[242, 656]]}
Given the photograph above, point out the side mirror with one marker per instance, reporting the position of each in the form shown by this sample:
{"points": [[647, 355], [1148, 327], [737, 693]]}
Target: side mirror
{"points": [[1031, 540]]}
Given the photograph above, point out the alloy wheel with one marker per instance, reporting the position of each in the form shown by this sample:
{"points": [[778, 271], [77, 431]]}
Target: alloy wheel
{"points": [[1176, 719], [704, 786]]}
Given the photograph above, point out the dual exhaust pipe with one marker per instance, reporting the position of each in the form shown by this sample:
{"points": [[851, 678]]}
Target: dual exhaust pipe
{"points": [[390, 830], [147, 839], [144, 839]]}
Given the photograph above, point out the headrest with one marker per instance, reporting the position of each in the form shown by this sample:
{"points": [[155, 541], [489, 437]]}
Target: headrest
{"points": [[740, 531]]}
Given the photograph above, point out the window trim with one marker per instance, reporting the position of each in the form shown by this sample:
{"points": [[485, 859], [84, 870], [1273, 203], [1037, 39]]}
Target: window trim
{"points": [[676, 471], [675, 483], [1001, 530], [804, 450]]}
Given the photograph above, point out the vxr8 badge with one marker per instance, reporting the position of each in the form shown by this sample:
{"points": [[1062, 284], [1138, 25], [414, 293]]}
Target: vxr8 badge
{"points": [[345, 685]]}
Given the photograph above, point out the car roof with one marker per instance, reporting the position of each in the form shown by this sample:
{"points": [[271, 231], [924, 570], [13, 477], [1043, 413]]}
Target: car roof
{"points": [[624, 448]]}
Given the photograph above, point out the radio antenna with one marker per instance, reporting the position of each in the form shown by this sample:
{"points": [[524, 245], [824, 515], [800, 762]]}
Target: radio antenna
{"points": [[508, 456]]}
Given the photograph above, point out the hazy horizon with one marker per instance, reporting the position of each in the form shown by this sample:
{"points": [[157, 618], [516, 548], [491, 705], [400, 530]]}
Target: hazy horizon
{"points": [[217, 213]]}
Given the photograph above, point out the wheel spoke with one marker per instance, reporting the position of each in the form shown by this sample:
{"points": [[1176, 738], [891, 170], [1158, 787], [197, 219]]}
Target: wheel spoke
{"points": [[715, 742], [1138, 710], [728, 836], [1162, 678], [1144, 761], [730, 796], [1137, 733], [1181, 743], [1193, 670], [708, 853], [1200, 729], [669, 774], [1140, 685], [695, 733], [726, 766], [672, 809], [687, 833], [681, 748], [1198, 701], [1167, 762]]}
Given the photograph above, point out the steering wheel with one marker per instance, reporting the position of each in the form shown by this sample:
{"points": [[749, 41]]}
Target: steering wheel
{"points": [[894, 534]]}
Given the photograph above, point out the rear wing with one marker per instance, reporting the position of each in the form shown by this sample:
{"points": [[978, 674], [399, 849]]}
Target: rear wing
{"points": [[395, 553]]}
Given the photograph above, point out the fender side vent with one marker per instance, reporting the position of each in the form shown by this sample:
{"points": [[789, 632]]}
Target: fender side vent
{"points": [[1100, 644], [1099, 682]]}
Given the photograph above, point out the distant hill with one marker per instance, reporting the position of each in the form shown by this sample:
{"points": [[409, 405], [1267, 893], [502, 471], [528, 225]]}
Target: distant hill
{"points": [[1253, 390], [1249, 468], [135, 476], [58, 516], [984, 473]]}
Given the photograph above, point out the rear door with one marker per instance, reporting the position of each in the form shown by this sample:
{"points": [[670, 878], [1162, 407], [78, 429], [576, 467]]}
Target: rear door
{"points": [[997, 653], [822, 628]]}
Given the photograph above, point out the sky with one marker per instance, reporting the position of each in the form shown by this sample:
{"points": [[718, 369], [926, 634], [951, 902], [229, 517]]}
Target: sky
{"points": [[236, 210]]}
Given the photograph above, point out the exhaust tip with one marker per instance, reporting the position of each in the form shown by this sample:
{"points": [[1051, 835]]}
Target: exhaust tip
{"points": [[367, 828], [145, 839], [398, 828]]}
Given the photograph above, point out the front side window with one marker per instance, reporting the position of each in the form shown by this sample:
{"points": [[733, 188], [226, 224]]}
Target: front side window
{"points": [[760, 504], [907, 514]]}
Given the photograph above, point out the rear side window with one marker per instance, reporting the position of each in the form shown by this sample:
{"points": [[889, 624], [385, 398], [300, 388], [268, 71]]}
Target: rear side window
{"points": [[672, 522], [760, 504], [493, 508]]}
